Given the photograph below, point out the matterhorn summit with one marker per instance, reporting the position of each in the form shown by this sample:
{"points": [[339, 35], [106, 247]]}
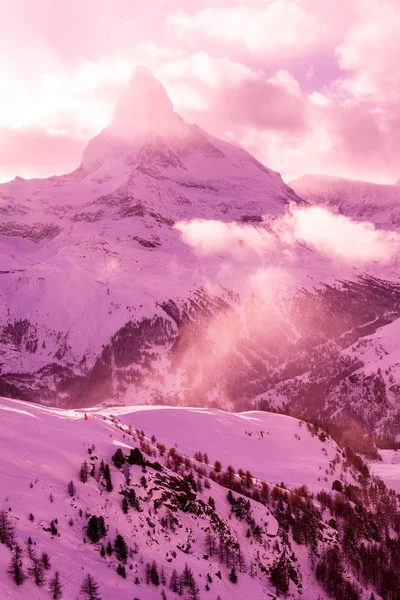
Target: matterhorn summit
{"points": [[144, 102], [143, 111]]}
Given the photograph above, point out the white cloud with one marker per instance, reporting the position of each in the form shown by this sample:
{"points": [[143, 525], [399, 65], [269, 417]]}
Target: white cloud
{"points": [[335, 236], [338, 236], [277, 26]]}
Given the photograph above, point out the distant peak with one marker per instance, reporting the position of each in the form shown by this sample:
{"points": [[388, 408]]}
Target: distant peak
{"points": [[143, 101]]}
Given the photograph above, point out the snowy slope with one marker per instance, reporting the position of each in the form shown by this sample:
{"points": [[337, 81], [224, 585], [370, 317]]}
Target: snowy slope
{"points": [[42, 449], [268, 442], [388, 469]]}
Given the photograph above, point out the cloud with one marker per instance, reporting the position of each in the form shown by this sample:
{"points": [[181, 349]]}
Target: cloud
{"points": [[336, 237], [308, 86], [34, 151], [277, 27], [208, 237], [370, 54]]}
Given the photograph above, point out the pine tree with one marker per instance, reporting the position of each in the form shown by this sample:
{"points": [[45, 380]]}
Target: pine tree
{"points": [[29, 548], [125, 505], [233, 575], [53, 528], [109, 548], [90, 589], [121, 570], [154, 577], [217, 466], [31, 517], [102, 551], [102, 527], [46, 561], [7, 532], [107, 477], [194, 592], [92, 529], [210, 543], [174, 582], [121, 549], [36, 570], [84, 472], [16, 569], [241, 560], [187, 576], [55, 587], [135, 457], [71, 488], [148, 573], [118, 458]]}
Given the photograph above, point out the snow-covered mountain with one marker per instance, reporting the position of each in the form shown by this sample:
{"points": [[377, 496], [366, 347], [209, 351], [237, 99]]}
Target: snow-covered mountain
{"points": [[89, 253], [361, 200], [263, 522], [102, 298]]}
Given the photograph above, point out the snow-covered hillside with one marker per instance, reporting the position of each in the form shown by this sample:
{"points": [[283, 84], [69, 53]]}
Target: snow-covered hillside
{"points": [[271, 539]]}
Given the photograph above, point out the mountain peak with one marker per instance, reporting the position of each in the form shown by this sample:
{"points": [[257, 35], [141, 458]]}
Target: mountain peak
{"points": [[144, 101], [143, 108]]}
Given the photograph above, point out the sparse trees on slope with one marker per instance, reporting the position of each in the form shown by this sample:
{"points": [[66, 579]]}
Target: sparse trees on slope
{"points": [[55, 587], [279, 574], [16, 569], [90, 589]]}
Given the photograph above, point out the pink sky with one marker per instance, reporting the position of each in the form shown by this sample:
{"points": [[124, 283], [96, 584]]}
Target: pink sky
{"points": [[307, 86]]}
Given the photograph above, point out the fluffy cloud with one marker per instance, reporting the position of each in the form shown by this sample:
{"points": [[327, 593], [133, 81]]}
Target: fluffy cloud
{"points": [[337, 237], [370, 54], [209, 237], [279, 26]]}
